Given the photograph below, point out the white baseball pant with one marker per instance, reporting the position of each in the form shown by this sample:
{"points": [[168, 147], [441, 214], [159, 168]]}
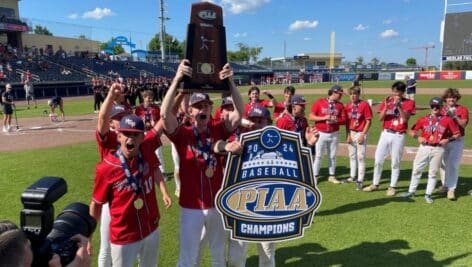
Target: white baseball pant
{"points": [[451, 162], [238, 251], [431, 155], [192, 223], [357, 156], [176, 159], [328, 141], [392, 143], [104, 254], [146, 251]]}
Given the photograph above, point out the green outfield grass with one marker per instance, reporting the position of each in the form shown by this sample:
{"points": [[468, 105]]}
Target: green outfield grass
{"points": [[351, 228]]}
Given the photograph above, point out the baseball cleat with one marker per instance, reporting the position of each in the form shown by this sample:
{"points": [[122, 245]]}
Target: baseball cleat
{"points": [[391, 191], [371, 188], [407, 194], [428, 199], [451, 195], [334, 180], [442, 190], [359, 186]]}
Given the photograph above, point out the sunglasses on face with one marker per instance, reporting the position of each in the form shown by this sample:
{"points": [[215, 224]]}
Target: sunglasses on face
{"points": [[435, 107]]}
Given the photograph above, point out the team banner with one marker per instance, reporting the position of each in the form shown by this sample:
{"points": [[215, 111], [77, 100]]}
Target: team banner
{"points": [[385, 76], [269, 192], [344, 77], [427, 75], [402, 75], [468, 75], [450, 75]]}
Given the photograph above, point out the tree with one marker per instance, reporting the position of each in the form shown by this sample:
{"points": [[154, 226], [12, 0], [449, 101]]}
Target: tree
{"points": [[265, 61], [82, 36], [117, 49], [360, 60], [38, 29], [457, 65], [374, 61], [171, 44], [245, 53], [411, 61]]}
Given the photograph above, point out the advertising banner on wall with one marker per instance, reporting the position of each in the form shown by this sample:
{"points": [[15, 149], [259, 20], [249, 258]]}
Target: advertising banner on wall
{"points": [[427, 75], [344, 77], [450, 75], [468, 75], [385, 76], [402, 75]]}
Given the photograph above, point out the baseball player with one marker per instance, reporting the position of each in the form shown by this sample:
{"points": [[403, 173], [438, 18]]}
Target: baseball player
{"points": [[126, 180], [410, 87], [29, 92], [53, 103], [284, 107], [109, 118], [295, 120], [328, 114], [7, 100], [436, 132], [200, 172], [394, 112], [454, 149], [150, 114], [254, 100], [359, 118]]}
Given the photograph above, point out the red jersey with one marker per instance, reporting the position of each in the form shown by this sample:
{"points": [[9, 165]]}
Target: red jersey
{"points": [[393, 120], [323, 107], [278, 109], [197, 190], [151, 114], [291, 123], [357, 115], [461, 112], [128, 224], [248, 106], [109, 143], [435, 128], [217, 113]]}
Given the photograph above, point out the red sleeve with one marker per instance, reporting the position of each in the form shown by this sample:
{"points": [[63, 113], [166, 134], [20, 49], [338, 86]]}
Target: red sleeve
{"points": [[463, 113], [382, 106], [367, 111], [409, 106], [314, 108], [453, 126], [342, 114], [418, 125], [282, 124], [151, 140], [100, 185]]}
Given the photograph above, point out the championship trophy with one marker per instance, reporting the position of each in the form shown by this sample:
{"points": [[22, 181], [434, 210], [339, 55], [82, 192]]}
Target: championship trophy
{"points": [[206, 49]]}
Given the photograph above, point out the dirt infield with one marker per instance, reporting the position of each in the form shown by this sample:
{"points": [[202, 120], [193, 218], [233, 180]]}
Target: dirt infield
{"points": [[39, 132]]}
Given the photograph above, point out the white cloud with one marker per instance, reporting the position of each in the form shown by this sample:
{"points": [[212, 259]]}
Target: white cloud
{"points": [[240, 35], [303, 24], [307, 39], [240, 6], [360, 27], [389, 33], [73, 16], [387, 21], [98, 13]]}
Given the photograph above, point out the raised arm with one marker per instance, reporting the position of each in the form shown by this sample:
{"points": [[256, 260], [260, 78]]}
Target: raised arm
{"points": [[105, 111], [168, 117], [236, 115]]}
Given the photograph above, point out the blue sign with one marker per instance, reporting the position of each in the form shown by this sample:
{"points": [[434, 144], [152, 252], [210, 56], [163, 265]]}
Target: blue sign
{"points": [[269, 191]]}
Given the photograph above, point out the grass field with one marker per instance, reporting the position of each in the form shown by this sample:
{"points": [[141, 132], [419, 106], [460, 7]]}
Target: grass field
{"points": [[351, 228]]}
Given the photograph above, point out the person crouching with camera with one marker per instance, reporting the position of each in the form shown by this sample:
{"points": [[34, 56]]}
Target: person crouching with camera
{"points": [[15, 249], [126, 180]]}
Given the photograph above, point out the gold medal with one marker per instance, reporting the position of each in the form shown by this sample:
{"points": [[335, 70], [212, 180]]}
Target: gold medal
{"points": [[431, 138], [209, 172], [395, 123], [138, 203]]}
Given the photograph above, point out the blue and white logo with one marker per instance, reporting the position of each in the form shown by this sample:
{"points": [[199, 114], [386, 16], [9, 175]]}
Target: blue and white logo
{"points": [[269, 192]]}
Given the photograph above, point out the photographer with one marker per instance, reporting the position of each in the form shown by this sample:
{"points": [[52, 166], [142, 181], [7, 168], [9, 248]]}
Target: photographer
{"points": [[14, 247]]}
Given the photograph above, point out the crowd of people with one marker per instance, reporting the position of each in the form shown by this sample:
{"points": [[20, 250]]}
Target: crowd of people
{"points": [[131, 164]]}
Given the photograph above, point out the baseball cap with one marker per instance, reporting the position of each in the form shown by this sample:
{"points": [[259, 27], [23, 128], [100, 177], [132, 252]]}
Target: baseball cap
{"points": [[336, 89], [259, 111], [131, 123], [436, 101], [199, 97], [297, 100], [117, 110], [227, 101]]}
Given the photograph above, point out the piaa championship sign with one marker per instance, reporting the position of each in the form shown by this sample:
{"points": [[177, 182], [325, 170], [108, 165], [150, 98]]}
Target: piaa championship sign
{"points": [[269, 192]]}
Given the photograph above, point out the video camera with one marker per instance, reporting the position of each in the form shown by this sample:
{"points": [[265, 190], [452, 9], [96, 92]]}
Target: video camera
{"points": [[49, 236]]}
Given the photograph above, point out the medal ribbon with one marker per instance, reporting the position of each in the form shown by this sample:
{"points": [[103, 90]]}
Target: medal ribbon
{"points": [[204, 149], [133, 181], [354, 112], [435, 126]]}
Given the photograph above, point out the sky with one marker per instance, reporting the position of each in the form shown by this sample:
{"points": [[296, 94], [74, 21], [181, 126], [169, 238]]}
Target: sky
{"points": [[384, 29]]}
